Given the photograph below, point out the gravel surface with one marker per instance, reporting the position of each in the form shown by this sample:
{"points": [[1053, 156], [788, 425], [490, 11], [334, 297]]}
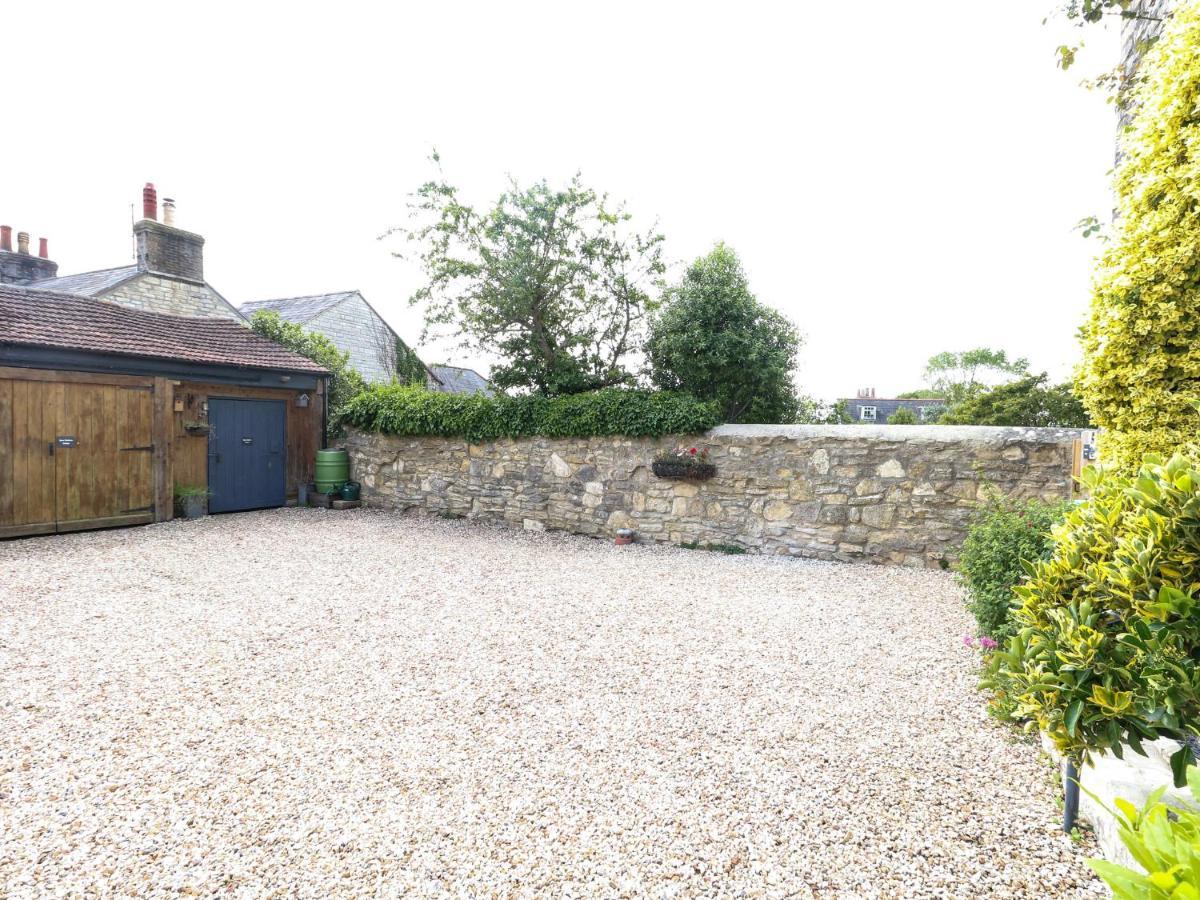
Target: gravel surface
{"points": [[314, 704]]}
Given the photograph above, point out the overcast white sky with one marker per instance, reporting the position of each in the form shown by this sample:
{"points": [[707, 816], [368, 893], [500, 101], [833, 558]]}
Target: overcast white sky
{"points": [[899, 178]]}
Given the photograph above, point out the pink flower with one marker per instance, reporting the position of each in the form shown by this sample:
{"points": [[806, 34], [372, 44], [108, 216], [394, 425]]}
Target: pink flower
{"points": [[988, 643], [968, 641]]}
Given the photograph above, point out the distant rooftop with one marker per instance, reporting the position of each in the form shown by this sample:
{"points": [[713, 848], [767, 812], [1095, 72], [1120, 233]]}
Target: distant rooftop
{"points": [[459, 380], [297, 309], [88, 284]]}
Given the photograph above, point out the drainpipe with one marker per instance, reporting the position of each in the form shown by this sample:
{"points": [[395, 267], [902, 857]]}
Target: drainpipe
{"points": [[325, 414], [1070, 796]]}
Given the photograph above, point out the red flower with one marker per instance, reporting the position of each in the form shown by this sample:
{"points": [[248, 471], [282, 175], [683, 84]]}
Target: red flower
{"points": [[693, 451]]}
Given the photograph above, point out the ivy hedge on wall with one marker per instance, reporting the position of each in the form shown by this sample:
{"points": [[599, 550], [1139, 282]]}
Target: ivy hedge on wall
{"points": [[1142, 340], [411, 410]]}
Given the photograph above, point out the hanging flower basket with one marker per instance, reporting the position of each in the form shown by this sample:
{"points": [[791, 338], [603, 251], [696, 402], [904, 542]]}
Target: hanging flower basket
{"points": [[695, 471], [684, 462], [197, 427]]}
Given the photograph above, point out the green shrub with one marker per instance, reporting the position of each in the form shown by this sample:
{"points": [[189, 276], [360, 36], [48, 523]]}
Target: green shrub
{"points": [[405, 410], [1164, 841], [1003, 532], [902, 416], [1109, 642]]}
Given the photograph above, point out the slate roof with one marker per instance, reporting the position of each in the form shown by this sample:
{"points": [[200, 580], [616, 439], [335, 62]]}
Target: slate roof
{"points": [[30, 316], [297, 309], [89, 284], [458, 380]]}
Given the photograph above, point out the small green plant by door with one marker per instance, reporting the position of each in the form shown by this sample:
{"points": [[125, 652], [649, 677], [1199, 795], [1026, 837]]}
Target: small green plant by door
{"points": [[191, 501]]}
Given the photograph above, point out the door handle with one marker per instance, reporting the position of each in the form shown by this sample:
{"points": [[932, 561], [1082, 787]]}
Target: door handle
{"points": [[50, 449]]}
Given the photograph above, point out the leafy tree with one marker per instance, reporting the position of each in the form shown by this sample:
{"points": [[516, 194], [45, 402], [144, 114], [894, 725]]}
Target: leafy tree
{"points": [[345, 383], [1090, 12], [957, 376], [922, 394], [902, 416], [552, 280], [1027, 402], [714, 340], [1141, 342], [811, 411]]}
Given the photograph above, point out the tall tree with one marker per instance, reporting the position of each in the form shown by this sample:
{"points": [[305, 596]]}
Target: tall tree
{"points": [[957, 376], [1141, 343], [554, 281], [714, 340]]}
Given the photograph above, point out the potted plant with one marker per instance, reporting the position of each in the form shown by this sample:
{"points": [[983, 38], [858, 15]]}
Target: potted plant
{"points": [[192, 500], [684, 462], [197, 427]]}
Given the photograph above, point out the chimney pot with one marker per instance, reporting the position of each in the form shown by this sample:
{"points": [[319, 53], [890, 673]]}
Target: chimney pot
{"points": [[23, 242], [168, 211], [149, 202], [43, 248], [6, 238]]}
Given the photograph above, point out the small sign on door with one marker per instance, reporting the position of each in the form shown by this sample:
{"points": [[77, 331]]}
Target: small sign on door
{"points": [[65, 440]]}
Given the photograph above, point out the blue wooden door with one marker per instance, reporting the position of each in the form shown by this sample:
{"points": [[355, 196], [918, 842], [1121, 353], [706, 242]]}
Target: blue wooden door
{"points": [[246, 457]]}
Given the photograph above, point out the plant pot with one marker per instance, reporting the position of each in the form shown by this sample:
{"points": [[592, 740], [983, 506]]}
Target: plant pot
{"points": [[194, 507], [693, 471], [197, 430]]}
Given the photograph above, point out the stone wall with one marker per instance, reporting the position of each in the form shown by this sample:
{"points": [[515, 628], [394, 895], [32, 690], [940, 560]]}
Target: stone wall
{"points": [[173, 296], [885, 493]]}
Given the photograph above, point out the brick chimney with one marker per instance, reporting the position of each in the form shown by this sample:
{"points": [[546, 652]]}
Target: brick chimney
{"points": [[163, 248], [21, 266]]}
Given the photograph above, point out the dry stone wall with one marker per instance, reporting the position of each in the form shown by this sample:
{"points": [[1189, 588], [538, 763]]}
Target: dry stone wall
{"points": [[888, 494]]}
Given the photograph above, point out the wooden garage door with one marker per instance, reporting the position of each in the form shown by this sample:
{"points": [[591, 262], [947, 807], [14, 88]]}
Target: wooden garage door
{"points": [[74, 456]]}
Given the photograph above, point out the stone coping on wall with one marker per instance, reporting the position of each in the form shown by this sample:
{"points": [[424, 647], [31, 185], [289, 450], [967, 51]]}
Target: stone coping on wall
{"points": [[982, 434], [892, 494]]}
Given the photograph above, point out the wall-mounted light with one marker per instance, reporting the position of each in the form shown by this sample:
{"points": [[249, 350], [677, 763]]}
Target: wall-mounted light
{"points": [[302, 401], [285, 378]]}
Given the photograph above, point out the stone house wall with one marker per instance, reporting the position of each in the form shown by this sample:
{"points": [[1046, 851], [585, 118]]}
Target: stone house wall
{"points": [[356, 329], [890, 494], [173, 296]]}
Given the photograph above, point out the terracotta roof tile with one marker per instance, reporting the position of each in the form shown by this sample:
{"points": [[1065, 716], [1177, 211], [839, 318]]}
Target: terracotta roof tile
{"points": [[39, 318]]}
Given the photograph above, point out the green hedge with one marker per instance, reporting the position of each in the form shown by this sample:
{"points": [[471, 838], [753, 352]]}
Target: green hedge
{"points": [[409, 410]]}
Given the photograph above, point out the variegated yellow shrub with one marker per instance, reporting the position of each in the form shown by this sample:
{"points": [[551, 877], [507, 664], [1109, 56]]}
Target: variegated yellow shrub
{"points": [[1107, 650], [1142, 340]]}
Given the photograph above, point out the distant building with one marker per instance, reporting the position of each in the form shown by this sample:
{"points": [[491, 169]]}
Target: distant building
{"points": [[457, 380], [167, 277], [347, 319], [868, 408]]}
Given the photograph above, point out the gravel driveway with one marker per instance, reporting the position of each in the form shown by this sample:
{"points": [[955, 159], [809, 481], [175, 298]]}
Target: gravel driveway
{"points": [[314, 704]]}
